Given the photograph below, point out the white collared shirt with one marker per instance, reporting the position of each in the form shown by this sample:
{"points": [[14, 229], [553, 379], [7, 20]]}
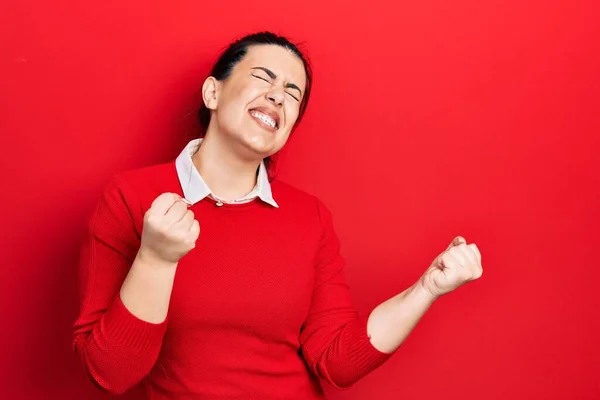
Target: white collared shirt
{"points": [[195, 189]]}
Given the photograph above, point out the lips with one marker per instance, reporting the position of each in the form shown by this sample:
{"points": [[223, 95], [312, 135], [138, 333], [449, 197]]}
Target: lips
{"points": [[266, 117]]}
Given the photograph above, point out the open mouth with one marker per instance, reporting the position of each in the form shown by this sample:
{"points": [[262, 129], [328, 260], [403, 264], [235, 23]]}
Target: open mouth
{"points": [[265, 120]]}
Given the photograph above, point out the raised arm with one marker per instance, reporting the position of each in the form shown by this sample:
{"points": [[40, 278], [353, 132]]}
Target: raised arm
{"points": [[339, 346], [125, 284]]}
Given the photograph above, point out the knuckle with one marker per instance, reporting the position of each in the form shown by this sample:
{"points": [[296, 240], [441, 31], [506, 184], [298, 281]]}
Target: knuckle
{"points": [[180, 236], [165, 196], [164, 229], [150, 220], [149, 215], [446, 258]]}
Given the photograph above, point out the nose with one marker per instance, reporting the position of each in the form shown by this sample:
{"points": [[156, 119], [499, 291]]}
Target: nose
{"points": [[276, 96]]}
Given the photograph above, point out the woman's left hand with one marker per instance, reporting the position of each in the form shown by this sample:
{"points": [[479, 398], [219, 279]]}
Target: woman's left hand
{"points": [[458, 264]]}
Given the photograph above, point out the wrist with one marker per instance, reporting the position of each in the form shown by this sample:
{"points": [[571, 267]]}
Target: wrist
{"points": [[149, 258], [422, 290]]}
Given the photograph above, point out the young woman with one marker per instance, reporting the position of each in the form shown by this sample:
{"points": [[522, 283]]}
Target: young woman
{"points": [[204, 279]]}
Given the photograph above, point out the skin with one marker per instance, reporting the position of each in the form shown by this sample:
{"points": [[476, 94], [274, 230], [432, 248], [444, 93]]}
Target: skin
{"points": [[235, 144], [271, 79], [231, 152]]}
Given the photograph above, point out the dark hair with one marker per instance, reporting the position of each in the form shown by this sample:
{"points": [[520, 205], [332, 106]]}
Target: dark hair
{"points": [[235, 52]]}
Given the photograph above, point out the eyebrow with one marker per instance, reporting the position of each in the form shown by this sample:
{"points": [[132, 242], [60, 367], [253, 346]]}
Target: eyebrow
{"points": [[273, 76]]}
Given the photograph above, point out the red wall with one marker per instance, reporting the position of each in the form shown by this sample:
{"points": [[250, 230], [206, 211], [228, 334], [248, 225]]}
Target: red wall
{"points": [[429, 119]]}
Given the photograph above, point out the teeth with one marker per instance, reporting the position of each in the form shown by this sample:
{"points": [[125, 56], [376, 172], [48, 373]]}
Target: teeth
{"points": [[264, 118]]}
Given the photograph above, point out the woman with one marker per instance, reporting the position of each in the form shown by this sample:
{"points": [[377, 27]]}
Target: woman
{"points": [[256, 305]]}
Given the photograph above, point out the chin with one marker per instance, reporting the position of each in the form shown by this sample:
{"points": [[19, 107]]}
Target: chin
{"points": [[259, 146], [263, 149], [263, 145]]}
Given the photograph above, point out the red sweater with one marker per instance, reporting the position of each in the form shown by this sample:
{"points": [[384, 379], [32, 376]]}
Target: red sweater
{"points": [[260, 308]]}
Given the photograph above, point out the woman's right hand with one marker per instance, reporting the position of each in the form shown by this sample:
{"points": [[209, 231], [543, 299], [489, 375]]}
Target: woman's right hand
{"points": [[170, 230]]}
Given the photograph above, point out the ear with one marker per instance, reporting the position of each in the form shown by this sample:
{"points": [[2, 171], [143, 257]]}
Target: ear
{"points": [[210, 92]]}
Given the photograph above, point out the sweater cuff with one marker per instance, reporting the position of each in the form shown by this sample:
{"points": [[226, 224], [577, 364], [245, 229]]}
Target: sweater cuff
{"points": [[360, 350], [130, 331]]}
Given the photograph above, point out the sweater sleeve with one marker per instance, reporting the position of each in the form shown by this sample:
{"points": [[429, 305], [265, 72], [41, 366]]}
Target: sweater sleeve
{"points": [[117, 349], [334, 337]]}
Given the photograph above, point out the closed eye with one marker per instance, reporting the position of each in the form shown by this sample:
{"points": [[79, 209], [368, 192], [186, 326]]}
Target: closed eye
{"points": [[268, 81], [292, 96], [261, 78]]}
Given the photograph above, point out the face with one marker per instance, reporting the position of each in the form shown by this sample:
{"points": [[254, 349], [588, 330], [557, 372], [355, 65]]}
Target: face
{"points": [[257, 106]]}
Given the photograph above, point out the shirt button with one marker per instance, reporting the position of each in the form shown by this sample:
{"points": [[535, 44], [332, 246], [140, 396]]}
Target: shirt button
{"points": [[219, 204]]}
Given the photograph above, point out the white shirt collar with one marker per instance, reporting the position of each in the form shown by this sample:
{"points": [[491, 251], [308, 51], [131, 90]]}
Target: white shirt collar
{"points": [[195, 189]]}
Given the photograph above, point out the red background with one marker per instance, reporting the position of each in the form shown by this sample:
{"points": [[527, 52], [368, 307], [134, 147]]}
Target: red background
{"points": [[429, 119]]}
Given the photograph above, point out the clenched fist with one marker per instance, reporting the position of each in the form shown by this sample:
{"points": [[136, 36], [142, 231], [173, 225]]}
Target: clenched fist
{"points": [[458, 264], [170, 230]]}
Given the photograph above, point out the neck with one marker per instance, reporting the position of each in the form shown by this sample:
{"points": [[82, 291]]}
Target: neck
{"points": [[229, 177]]}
